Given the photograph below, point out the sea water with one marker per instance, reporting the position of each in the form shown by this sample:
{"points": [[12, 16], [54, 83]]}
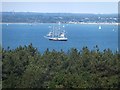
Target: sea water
{"points": [[79, 35]]}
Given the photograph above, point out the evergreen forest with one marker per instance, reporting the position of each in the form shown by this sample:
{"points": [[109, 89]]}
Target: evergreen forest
{"points": [[26, 67]]}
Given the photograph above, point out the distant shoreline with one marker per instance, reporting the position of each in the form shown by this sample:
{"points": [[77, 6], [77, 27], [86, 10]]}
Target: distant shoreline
{"points": [[68, 23]]}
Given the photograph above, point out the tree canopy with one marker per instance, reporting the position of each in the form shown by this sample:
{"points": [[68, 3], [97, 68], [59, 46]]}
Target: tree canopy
{"points": [[26, 67]]}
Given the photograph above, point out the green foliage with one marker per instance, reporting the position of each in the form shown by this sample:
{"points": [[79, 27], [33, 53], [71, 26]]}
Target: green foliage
{"points": [[25, 67], [0, 66]]}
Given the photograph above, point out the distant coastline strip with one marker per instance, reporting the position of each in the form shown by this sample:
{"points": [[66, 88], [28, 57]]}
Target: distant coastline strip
{"points": [[68, 23]]}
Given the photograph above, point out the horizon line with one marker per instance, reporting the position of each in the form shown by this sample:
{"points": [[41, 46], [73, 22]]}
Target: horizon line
{"points": [[54, 12]]}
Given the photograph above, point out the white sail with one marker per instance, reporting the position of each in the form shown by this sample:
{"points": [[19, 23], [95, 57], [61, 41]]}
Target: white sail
{"points": [[100, 27], [49, 34]]}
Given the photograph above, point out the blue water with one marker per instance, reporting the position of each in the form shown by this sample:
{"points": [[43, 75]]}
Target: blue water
{"points": [[79, 35]]}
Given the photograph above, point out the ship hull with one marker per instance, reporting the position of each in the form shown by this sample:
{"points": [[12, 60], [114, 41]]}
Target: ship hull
{"points": [[58, 39]]}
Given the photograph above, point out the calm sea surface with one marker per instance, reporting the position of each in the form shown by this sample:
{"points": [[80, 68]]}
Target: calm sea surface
{"points": [[79, 35]]}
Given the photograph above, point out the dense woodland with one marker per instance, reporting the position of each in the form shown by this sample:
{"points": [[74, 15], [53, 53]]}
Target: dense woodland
{"points": [[25, 67]]}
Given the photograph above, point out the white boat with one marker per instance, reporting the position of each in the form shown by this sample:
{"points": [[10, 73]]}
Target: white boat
{"points": [[100, 27], [57, 34], [7, 24]]}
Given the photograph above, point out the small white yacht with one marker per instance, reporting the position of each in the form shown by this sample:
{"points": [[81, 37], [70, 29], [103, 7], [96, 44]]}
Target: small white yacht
{"points": [[100, 27]]}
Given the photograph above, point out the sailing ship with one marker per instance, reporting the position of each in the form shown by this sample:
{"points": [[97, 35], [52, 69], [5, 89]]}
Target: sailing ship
{"points": [[57, 33]]}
